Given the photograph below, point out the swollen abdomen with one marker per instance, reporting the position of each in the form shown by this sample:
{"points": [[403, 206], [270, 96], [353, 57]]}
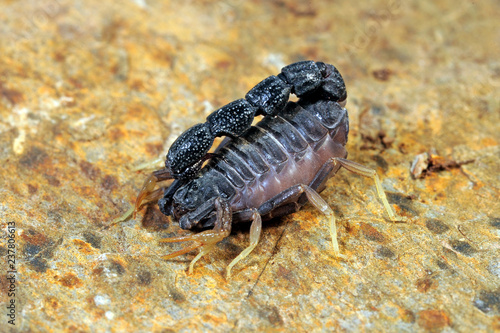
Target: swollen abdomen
{"points": [[280, 152]]}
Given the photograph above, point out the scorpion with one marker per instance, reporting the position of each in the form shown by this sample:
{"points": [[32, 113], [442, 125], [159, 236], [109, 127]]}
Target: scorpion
{"points": [[263, 171]]}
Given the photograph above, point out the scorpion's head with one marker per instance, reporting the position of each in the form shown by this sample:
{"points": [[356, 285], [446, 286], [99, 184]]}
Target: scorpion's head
{"points": [[193, 194], [193, 202]]}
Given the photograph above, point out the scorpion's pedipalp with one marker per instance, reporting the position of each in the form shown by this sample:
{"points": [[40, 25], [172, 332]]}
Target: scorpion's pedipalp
{"points": [[180, 252], [147, 192], [370, 173], [147, 189], [207, 239], [255, 230]]}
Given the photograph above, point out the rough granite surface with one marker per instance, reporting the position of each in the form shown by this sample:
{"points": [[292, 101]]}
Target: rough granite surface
{"points": [[89, 90]]}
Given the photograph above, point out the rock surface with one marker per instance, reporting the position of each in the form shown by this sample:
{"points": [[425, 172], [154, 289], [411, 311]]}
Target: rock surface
{"points": [[89, 90]]}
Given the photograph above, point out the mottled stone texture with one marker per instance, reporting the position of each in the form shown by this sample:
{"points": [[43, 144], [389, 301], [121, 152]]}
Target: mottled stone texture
{"points": [[90, 89]]}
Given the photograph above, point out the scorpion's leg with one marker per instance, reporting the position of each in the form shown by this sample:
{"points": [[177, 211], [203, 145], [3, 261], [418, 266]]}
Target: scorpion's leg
{"points": [[255, 230], [370, 173], [293, 195], [154, 164], [207, 239], [317, 201]]}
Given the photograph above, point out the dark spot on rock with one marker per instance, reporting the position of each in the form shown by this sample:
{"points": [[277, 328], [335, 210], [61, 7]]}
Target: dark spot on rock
{"points": [[436, 226], [38, 264], [371, 233], [93, 239], [115, 134], [154, 219], [90, 170], [488, 301], [154, 149], [300, 9], [433, 319], [462, 247], [449, 252], [229, 248], [144, 278], [33, 158], [98, 270], [137, 84], [383, 74], [425, 284], [408, 316], [386, 141], [33, 237], [381, 162], [31, 250], [53, 181], [83, 328], [110, 269], [13, 96], [384, 252], [274, 316], [443, 265], [403, 148], [51, 302], [32, 189], [3, 251], [70, 280], [224, 64], [377, 109], [38, 249], [117, 267], [54, 216], [177, 296], [495, 222], [285, 273], [109, 183], [75, 82], [58, 56], [271, 313], [405, 202]]}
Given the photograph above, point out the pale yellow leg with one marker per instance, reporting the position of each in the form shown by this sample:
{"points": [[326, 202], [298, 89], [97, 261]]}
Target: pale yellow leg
{"points": [[255, 230], [203, 250], [317, 201], [154, 164], [123, 217], [370, 173]]}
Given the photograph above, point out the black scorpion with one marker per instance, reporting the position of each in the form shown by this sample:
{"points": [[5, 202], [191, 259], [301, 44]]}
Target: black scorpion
{"points": [[264, 171]]}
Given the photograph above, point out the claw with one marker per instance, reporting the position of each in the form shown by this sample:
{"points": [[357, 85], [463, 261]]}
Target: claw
{"points": [[180, 252], [146, 190], [205, 240], [202, 239]]}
